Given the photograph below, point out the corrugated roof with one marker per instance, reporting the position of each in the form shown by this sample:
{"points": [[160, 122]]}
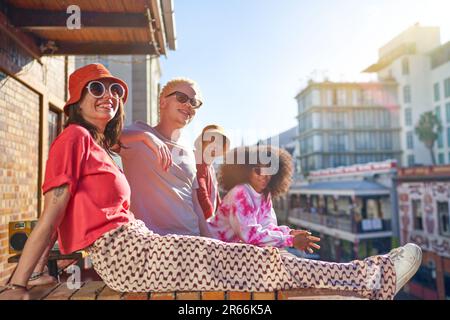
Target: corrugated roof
{"points": [[349, 187]]}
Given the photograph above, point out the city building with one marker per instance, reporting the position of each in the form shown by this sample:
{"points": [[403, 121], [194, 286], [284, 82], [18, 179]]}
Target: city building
{"points": [[341, 124], [352, 209], [424, 219], [420, 65], [36, 58]]}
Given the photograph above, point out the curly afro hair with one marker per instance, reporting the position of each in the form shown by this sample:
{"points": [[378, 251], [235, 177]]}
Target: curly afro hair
{"points": [[239, 163]]}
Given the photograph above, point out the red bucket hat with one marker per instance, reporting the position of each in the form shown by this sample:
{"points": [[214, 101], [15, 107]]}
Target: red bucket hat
{"points": [[81, 77]]}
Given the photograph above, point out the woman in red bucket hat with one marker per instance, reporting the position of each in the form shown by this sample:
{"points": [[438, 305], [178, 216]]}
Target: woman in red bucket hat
{"points": [[87, 200]]}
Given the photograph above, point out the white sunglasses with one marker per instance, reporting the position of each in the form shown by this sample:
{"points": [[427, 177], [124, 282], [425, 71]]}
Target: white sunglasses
{"points": [[97, 89]]}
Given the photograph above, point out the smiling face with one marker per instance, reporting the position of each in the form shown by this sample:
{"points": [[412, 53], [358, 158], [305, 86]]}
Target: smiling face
{"points": [[258, 181], [175, 113], [99, 111]]}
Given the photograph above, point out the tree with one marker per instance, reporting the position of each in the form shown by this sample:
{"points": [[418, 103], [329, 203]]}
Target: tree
{"points": [[428, 130]]}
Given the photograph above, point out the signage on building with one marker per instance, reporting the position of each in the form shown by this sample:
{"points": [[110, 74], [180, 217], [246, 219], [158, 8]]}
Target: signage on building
{"points": [[425, 171], [355, 169]]}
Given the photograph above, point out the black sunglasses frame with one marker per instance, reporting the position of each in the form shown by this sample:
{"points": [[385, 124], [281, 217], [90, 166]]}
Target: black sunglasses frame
{"points": [[183, 98]]}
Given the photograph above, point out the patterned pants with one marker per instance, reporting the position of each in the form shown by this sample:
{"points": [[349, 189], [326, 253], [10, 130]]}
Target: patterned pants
{"points": [[132, 258]]}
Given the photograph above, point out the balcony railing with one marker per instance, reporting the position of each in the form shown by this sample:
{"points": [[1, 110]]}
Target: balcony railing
{"points": [[340, 222]]}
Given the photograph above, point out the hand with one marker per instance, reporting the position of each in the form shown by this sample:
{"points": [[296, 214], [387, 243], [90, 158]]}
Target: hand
{"points": [[303, 240], [159, 148], [15, 294]]}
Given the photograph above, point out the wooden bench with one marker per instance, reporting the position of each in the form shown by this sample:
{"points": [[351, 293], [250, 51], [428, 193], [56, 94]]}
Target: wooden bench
{"points": [[53, 258], [97, 290]]}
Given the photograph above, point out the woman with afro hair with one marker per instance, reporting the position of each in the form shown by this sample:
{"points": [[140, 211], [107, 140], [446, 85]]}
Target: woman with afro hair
{"points": [[253, 177]]}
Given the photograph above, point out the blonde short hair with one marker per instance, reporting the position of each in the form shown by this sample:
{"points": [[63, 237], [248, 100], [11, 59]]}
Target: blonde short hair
{"points": [[169, 86]]}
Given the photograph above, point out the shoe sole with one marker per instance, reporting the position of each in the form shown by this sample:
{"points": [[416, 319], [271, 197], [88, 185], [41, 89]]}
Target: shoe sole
{"points": [[408, 275]]}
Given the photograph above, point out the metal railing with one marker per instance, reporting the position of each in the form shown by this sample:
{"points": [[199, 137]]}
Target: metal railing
{"points": [[341, 222]]}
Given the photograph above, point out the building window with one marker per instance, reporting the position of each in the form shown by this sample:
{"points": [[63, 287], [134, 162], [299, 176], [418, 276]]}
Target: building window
{"points": [[447, 285], [441, 158], [444, 218], [447, 88], [410, 140], [384, 119], [447, 111], [437, 112], [448, 136], [440, 140], [341, 97], [315, 97], [411, 161], [364, 141], [425, 277], [406, 94], [54, 125], [417, 214], [437, 92], [408, 116], [405, 66]]}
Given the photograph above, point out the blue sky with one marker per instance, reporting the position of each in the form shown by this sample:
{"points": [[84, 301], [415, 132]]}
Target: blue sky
{"points": [[251, 57]]}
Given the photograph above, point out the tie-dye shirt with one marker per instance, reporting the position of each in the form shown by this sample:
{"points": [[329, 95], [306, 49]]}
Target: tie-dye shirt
{"points": [[247, 216]]}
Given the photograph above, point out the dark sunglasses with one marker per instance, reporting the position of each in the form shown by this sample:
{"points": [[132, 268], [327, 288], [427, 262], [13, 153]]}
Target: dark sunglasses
{"points": [[183, 98], [97, 89], [261, 172]]}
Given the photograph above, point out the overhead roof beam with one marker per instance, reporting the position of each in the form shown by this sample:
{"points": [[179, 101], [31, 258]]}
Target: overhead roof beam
{"points": [[96, 48], [23, 40], [159, 31], [46, 20]]}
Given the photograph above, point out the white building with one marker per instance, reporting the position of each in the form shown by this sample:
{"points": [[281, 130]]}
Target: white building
{"points": [[420, 65], [343, 123]]}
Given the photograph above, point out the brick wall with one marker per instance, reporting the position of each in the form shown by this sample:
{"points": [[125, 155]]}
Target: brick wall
{"points": [[19, 156], [20, 108]]}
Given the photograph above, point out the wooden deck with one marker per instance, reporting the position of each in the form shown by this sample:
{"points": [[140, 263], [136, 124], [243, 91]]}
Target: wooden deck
{"points": [[97, 290]]}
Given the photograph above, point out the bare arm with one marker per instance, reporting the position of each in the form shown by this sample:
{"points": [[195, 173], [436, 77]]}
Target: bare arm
{"points": [[43, 236], [150, 140], [203, 225]]}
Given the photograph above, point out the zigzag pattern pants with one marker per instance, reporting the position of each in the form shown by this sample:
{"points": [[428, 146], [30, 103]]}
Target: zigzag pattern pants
{"points": [[132, 258]]}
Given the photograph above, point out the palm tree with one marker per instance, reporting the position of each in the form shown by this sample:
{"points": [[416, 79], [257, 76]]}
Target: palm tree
{"points": [[428, 130]]}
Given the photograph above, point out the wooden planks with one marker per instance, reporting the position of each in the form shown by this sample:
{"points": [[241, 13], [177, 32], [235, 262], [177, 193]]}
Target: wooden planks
{"points": [[97, 290], [232, 295], [135, 296], [264, 296], [162, 296], [62, 292], [109, 294], [89, 291], [319, 294], [187, 296], [213, 295], [40, 292]]}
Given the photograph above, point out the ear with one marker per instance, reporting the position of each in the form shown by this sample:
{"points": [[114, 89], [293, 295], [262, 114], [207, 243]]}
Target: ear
{"points": [[162, 103]]}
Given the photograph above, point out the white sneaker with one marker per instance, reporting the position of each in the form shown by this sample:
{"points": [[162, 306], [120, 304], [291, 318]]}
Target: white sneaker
{"points": [[407, 260]]}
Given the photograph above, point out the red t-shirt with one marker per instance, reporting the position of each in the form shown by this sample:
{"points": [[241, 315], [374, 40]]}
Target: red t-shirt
{"points": [[100, 193]]}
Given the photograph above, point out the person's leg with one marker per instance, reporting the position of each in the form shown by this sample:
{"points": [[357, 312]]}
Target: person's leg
{"points": [[133, 259], [373, 277]]}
